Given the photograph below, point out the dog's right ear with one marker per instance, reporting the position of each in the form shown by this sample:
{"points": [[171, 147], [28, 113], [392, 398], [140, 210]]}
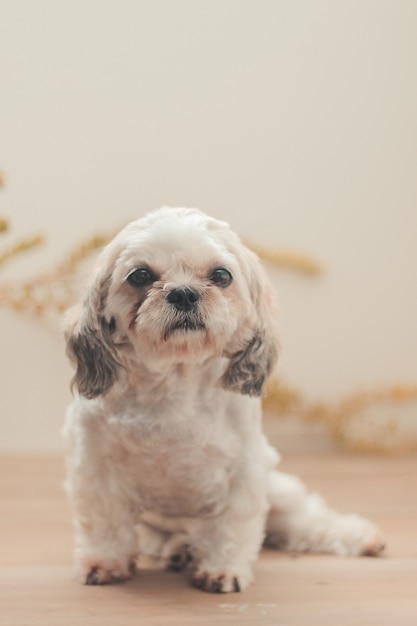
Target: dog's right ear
{"points": [[89, 343]]}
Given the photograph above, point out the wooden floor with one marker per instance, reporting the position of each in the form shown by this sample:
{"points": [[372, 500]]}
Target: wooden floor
{"points": [[36, 542]]}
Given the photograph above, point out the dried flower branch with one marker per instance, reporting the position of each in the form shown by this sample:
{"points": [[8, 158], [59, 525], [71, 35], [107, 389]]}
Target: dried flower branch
{"points": [[368, 422], [55, 291], [288, 259], [22, 246]]}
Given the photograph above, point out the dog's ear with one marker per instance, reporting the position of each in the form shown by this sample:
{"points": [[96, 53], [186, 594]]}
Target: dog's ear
{"points": [[89, 342], [253, 361]]}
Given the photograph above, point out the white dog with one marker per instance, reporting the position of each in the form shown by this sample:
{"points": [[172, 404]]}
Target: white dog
{"points": [[172, 346]]}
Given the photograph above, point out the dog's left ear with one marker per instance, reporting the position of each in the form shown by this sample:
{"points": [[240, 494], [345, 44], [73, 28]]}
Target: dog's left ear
{"points": [[251, 364]]}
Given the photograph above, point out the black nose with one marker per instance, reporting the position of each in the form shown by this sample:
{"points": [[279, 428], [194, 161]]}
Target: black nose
{"points": [[183, 298]]}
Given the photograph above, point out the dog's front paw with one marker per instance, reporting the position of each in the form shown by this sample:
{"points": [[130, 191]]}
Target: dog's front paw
{"points": [[104, 572], [221, 582]]}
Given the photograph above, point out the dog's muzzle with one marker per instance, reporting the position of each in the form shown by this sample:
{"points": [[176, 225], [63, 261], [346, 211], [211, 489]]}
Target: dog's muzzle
{"points": [[184, 301]]}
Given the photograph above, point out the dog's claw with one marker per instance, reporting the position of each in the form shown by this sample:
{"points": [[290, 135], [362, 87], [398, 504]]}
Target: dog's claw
{"points": [[93, 577], [100, 575], [200, 581], [176, 563], [216, 584]]}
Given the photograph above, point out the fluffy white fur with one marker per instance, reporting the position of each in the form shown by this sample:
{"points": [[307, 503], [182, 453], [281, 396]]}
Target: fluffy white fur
{"points": [[172, 345]]}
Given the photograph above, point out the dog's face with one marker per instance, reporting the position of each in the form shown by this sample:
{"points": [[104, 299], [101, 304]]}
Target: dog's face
{"points": [[174, 287]]}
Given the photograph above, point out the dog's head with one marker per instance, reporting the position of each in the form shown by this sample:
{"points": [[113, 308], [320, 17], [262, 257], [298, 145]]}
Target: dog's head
{"points": [[174, 287]]}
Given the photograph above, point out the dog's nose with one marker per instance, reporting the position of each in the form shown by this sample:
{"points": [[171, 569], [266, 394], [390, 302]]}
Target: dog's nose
{"points": [[183, 298]]}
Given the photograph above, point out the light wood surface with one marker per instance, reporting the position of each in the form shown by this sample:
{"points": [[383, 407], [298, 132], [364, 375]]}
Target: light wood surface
{"points": [[36, 587]]}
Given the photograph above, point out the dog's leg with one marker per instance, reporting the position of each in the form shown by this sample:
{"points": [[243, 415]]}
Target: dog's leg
{"points": [[301, 521], [105, 535], [225, 547]]}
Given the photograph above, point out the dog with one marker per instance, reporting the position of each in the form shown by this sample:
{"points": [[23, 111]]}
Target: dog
{"points": [[172, 345]]}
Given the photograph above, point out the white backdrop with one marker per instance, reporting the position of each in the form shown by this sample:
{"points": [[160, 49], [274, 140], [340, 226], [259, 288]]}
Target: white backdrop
{"points": [[296, 121]]}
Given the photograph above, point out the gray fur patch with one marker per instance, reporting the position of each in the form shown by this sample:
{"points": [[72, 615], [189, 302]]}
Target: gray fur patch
{"points": [[96, 365], [249, 368]]}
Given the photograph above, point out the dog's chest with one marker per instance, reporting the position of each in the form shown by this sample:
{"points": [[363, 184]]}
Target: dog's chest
{"points": [[180, 479], [176, 472], [181, 454]]}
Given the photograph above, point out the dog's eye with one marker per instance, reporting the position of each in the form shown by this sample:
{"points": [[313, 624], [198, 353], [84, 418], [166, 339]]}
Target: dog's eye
{"points": [[221, 277], [141, 278]]}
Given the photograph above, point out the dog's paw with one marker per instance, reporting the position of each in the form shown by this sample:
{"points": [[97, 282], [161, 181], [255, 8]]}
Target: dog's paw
{"points": [[104, 572], [176, 553], [221, 582], [178, 560]]}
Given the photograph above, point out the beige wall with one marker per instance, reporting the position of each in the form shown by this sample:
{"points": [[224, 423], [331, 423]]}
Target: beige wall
{"points": [[294, 120]]}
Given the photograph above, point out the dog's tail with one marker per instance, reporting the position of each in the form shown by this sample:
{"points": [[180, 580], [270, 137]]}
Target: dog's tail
{"points": [[302, 522]]}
